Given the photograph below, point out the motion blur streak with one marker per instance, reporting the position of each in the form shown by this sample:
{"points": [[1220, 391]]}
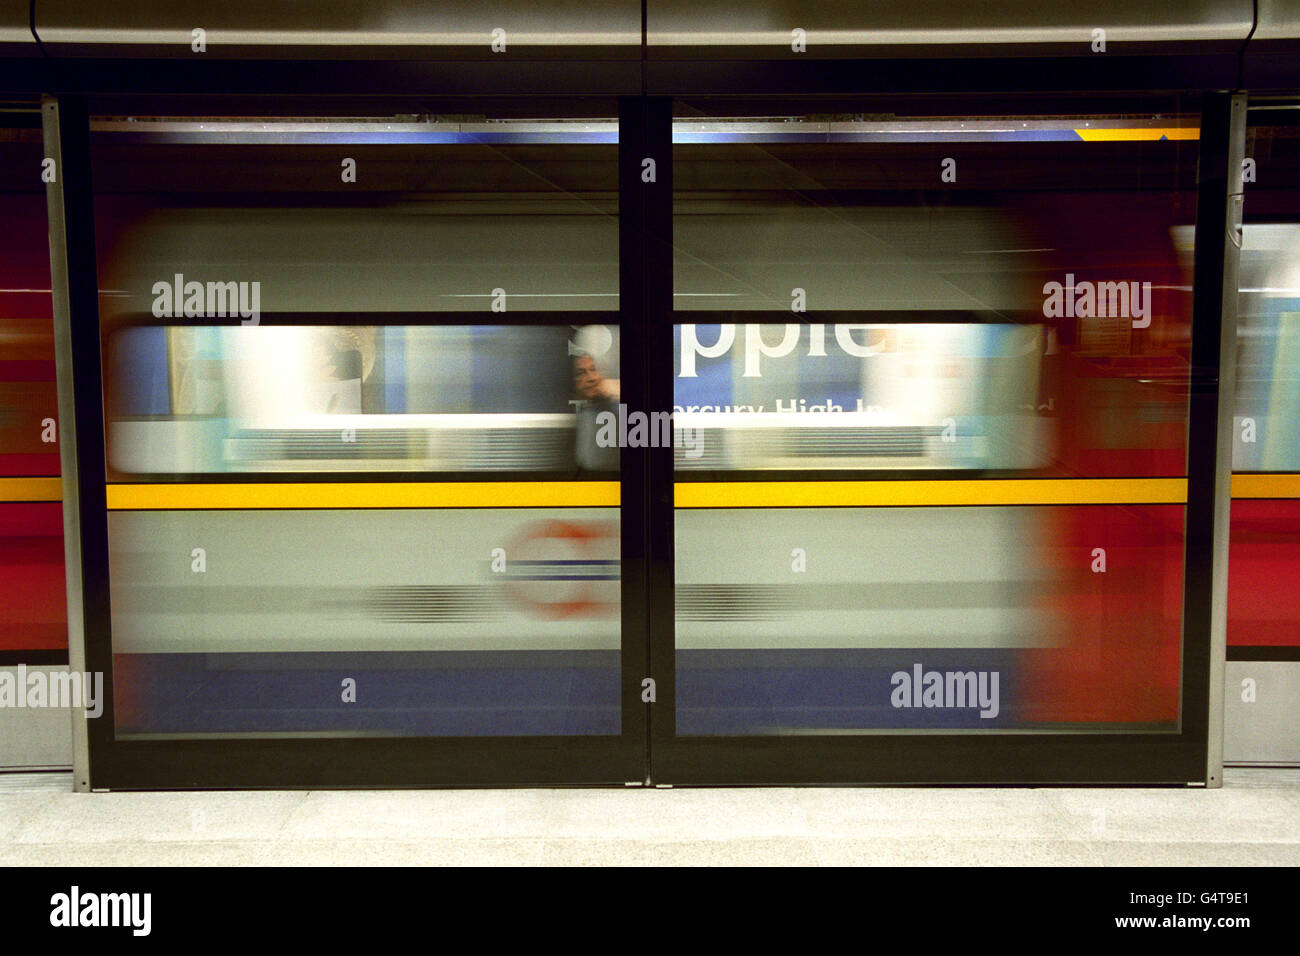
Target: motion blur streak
{"points": [[1265, 543], [408, 603], [31, 518], [985, 472]]}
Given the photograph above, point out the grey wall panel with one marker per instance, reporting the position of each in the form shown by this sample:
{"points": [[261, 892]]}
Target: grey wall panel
{"points": [[338, 28], [613, 28], [34, 738], [835, 25], [1279, 20], [1262, 713], [15, 29]]}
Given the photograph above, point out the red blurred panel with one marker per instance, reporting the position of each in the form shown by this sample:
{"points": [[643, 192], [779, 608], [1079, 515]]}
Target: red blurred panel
{"points": [[1118, 658], [1263, 567], [1119, 389], [33, 615], [28, 397], [26, 370], [30, 466], [25, 254], [29, 411], [34, 612], [1124, 416]]}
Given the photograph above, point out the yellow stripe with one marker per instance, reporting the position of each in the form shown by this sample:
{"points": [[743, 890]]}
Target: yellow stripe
{"points": [[31, 489], [543, 494], [973, 491], [378, 494], [587, 494], [1117, 135], [1266, 486]]}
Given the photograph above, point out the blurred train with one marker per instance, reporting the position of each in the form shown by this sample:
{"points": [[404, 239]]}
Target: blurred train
{"points": [[986, 385], [390, 510], [788, 618]]}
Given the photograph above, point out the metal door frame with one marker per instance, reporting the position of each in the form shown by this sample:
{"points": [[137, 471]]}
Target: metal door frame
{"points": [[646, 315], [1193, 756], [104, 762]]}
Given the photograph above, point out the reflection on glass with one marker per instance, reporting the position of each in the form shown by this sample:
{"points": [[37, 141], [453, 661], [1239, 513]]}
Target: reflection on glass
{"points": [[1265, 540], [1268, 351], [436, 218], [797, 619], [439, 636], [33, 616], [489, 620], [1016, 309]]}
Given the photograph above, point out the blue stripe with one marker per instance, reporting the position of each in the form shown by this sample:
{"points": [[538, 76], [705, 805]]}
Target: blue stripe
{"points": [[747, 691], [492, 693]]}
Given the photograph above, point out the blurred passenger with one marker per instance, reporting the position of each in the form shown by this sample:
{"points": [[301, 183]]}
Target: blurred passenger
{"points": [[596, 393]]}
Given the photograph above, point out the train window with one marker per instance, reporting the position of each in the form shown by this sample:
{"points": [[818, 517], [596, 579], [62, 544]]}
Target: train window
{"points": [[936, 374], [1268, 350], [847, 397], [1066, 227], [196, 399]]}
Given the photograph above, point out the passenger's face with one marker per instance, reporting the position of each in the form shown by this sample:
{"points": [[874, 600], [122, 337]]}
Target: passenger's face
{"points": [[586, 380]]}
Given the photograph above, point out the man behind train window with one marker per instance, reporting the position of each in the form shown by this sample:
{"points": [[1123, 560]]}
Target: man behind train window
{"points": [[596, 393]]}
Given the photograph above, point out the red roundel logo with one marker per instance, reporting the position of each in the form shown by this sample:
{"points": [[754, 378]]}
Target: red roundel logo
{"points": [[565, 569]]}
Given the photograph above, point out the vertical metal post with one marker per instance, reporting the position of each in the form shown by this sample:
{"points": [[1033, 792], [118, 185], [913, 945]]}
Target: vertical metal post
{"points": [[645, 290], [1214, 354], [74, 285], [634, 341], [656, 292]]}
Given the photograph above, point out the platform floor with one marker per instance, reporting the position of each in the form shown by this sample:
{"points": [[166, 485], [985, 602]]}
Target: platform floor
{"points": [[1253, 820]]}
